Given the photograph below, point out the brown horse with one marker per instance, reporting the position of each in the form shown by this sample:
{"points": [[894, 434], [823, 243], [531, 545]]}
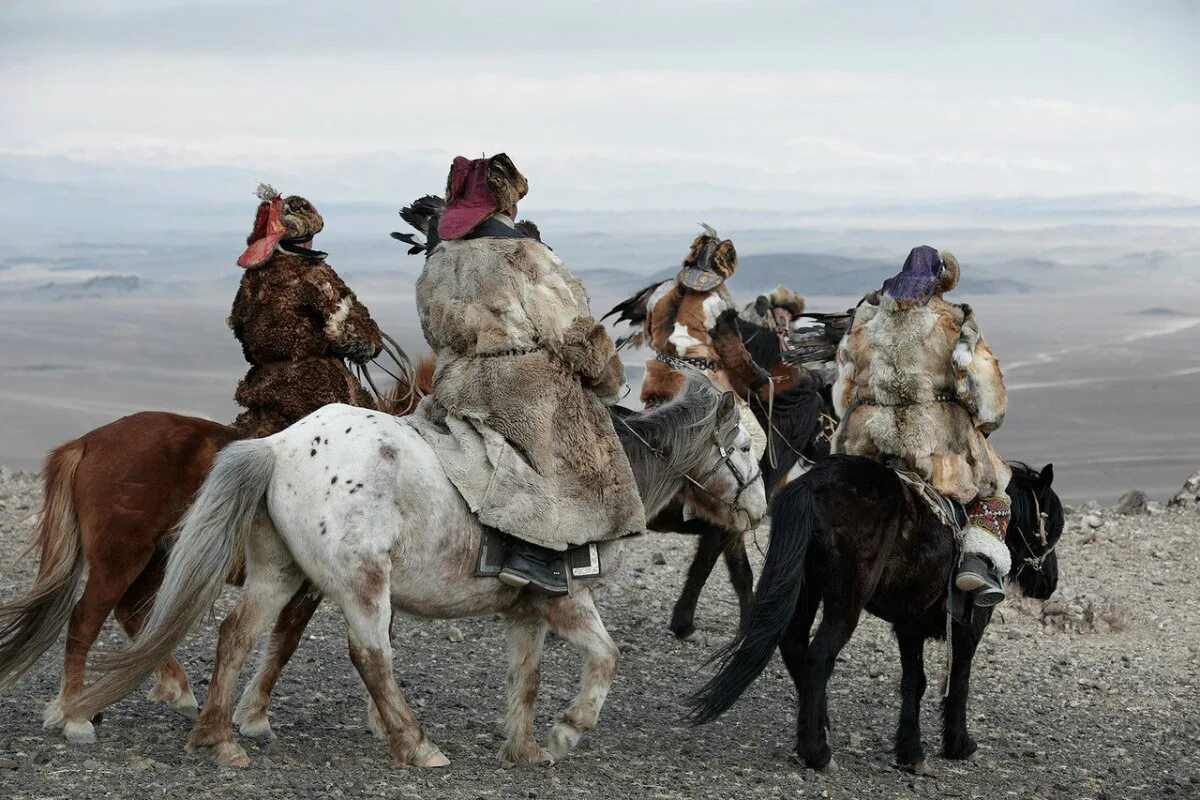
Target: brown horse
{"points": [[112, 500]]}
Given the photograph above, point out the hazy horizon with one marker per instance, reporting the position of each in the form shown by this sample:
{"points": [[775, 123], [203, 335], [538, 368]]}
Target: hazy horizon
{"points": [[1052, 146]]}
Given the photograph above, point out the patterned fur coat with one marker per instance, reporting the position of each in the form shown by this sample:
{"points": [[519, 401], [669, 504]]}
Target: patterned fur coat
{"points": [[678, 321], [919, 383], [296, 321], [524, 368]]}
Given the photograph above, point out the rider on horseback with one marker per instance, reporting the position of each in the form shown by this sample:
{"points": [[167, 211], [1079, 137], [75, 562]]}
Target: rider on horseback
{"points": [[296, 321], [680, 318], [776, 310], [523, 365], [918, 387]]}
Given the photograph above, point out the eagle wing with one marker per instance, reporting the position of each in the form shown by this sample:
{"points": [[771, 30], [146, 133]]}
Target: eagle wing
{"points": [[633, 310]]}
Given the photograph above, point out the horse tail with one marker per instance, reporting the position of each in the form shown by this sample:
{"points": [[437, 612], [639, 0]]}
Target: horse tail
{"points": [[211, 535], [29, 625], [793, 525]]}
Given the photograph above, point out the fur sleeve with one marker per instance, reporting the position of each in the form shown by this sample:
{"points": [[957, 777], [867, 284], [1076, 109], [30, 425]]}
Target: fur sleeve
{"points": [[843, 386], [347, 323], [987, 388]]}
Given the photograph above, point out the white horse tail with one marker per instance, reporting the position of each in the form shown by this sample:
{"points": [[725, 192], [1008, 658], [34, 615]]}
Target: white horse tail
{"points": [[211, 537]]}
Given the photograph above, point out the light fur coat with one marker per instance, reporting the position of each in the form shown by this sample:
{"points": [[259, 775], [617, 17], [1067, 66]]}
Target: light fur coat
{"points": [[921, 384], [524, 379]]}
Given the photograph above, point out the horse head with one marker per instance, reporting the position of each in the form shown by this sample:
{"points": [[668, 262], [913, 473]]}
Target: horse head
{"points": [[725, 485], [694, 450], [1033, 533]]}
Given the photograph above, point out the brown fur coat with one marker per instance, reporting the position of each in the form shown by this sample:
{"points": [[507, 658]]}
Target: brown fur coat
{"points": [[524, 367], [297, 321], [919, 383], [678, 323]]}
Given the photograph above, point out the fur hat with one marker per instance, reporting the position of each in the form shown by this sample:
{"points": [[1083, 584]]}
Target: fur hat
{"points": [[921, 277], [279, 221], [783, 297], [711, 261], [476, 189]]}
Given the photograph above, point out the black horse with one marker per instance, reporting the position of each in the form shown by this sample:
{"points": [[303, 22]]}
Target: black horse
{"points": [[851, 535]]}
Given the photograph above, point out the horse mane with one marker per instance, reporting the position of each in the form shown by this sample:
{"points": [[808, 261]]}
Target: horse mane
{"points": [[402, 399], [664, 443]]}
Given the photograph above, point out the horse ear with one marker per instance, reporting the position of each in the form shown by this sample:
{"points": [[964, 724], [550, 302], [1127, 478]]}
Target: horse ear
{"points": [[1047, 476], [726, 407]]}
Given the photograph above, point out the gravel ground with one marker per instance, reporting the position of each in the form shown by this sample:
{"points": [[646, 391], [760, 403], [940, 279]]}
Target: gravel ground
{"points": [[1091, 695]]}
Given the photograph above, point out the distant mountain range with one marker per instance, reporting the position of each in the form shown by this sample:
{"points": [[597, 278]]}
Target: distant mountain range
{"points": [[811, 273]]}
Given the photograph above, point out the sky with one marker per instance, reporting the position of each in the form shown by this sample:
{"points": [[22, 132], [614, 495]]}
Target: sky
{"points": [[654, 104]]}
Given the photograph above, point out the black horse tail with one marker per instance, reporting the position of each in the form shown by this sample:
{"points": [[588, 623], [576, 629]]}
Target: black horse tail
{"points": [[793, 525]]}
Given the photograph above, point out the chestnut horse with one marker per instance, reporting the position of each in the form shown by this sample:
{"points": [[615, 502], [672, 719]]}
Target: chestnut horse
{"points": [[112, 499]]}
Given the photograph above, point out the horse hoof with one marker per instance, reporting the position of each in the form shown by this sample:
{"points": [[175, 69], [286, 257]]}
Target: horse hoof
{"points": [[563, 738], [186, 706], [973, 756], [230, 754], [80, 732], [256, 728], [829, 768], [920, 768], [432, 758], [684, 633], [535, 756]]}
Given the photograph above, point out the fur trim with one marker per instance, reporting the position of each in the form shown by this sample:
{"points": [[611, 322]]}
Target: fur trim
{"points": [[951, 273], [783, 297], [962, 355], [505, 182], [977, 540], [266, 192], [333, 325]]}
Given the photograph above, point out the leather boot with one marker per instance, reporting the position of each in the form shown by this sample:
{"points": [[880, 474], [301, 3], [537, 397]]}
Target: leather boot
{"points": [[977, 575], [538, 567]]}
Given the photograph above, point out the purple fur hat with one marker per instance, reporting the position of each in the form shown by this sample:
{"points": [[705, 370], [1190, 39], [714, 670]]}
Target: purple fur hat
{"points": [[919, 278]]}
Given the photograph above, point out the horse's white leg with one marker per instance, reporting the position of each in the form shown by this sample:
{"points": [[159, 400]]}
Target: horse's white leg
{"points": [[251, 713], [525, 637], [271, 580], [368, 616], [576, 619]]}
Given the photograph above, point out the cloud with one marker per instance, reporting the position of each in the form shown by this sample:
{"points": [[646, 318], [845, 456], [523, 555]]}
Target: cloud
{"points": [[858, 100]]}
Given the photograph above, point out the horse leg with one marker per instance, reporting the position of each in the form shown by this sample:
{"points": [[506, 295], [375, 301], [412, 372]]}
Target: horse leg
{"points": [[837, 625], [956, 741], [525, 638], [368, 616], [271, 580], [171, 684], [251, 713], [576, 619], [108, 580], [708, 550], [909, 751], [741, 576], [794, 647]]}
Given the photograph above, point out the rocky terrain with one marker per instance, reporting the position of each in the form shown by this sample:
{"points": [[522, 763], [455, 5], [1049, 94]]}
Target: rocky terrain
{"points": [[1092, 694]]}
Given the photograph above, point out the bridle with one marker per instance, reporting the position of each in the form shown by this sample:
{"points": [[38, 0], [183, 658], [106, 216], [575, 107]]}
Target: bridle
{"points": [[726, 460], [1029, 561]]}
